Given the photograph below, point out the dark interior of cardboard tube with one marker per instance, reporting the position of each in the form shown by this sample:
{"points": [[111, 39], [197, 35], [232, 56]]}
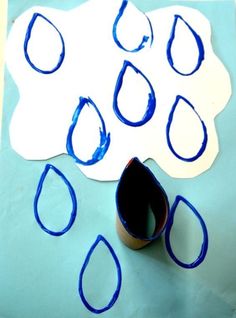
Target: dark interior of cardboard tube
{"points": [[141, 202]]}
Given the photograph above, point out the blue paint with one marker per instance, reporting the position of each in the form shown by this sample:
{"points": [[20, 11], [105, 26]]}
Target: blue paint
{"points": [[199, 45], [144, 39], [119, 277], [151, 105], [26, 42], [101, 150], [204, 246], [37, 196], [168, 126]]}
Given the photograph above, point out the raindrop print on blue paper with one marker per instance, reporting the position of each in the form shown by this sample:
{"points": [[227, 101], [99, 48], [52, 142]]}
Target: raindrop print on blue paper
{"points": [[150, 100], [188, 45], [104, 143], [114, 297], [170, 223], [44, 37], [145, 39], [192, 141], [63, 180]]}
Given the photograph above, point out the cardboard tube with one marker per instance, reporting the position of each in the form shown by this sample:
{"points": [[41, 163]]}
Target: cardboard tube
{"points": [[138, 191], [127, 238]]}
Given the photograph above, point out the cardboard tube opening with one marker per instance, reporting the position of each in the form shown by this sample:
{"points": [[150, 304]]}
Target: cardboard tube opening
{"points": [[139, 195]]}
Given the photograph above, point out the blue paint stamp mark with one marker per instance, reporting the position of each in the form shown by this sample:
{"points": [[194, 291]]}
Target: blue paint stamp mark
{"points": [[145, 38], [151, 105], [168, 126], [199, 42], [115, 296], [169, 225], [101, 150], [49, 167], [27, 39]]}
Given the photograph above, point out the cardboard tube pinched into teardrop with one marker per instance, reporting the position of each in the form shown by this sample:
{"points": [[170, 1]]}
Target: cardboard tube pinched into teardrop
{"points": [[138, 193]]}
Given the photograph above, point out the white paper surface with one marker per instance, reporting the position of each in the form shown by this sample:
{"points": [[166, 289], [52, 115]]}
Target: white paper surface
{"points": [[99, 56]]}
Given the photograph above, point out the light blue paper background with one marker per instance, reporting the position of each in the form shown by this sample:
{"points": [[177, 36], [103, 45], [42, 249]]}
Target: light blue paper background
{"points": [[39, 273]]}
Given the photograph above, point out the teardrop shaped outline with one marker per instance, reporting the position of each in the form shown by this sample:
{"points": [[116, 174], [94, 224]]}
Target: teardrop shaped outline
{"points": [[199, 42], [72, 195], [101, 150], [169, 225], [145, 37], [119, 276], [26, 42], [170, 119], [151, 106]]}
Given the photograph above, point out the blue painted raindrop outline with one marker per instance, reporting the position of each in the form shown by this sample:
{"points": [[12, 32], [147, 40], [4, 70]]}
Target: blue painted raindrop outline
{"points": [[151, 106], [102, 149], [168, 126], [119, 277], [145, 37], [26, 42], [169, 225], [199, 42], [72, 195]]}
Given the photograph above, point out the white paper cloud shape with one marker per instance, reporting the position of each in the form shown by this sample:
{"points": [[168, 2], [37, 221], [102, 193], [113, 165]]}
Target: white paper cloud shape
{"points": [[106, 82]]}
